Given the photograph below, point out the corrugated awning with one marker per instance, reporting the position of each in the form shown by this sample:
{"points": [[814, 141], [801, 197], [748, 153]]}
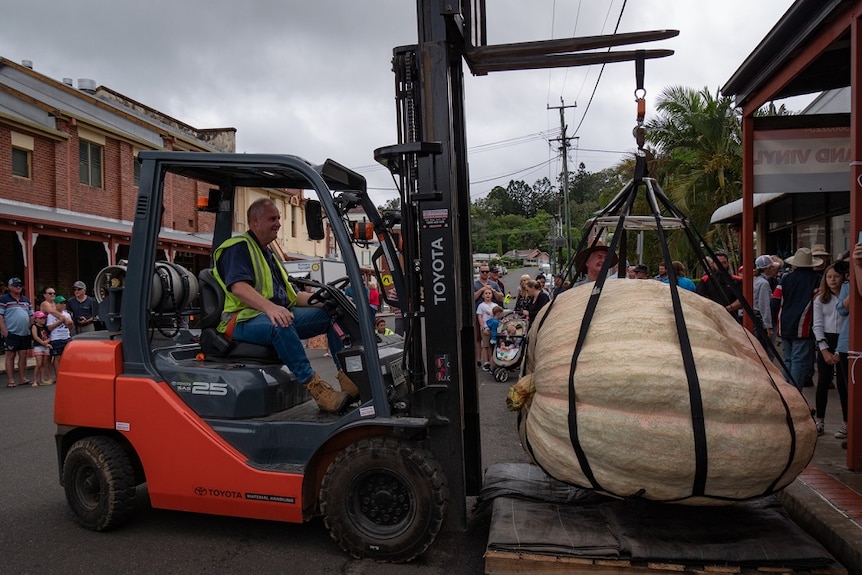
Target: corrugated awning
{"points": [[733, 211]]}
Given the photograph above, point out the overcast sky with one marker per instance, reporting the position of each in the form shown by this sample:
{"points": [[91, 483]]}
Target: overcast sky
{"points": [[314, 78]]}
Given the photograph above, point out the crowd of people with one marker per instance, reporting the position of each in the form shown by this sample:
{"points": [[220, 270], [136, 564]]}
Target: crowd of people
{"points": [[43, 331]]}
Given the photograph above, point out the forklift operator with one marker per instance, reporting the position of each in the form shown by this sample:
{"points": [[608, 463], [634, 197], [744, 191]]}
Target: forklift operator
{"points": [[261, 306]]}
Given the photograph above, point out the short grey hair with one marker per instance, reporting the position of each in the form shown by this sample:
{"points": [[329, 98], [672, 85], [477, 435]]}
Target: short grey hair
{"points": [[256, 208]]}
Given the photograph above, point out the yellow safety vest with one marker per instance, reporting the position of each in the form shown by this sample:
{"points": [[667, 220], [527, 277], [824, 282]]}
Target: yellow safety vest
{"points": [[262, 282]]}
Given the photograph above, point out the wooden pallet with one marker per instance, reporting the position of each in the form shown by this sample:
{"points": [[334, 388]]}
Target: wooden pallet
{"points": [[509, 563]]}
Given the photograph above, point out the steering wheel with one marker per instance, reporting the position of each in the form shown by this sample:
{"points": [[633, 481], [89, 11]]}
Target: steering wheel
{"points": [[320, 294]]}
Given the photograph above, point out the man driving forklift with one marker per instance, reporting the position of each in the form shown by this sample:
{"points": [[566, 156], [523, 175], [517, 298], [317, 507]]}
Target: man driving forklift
{"points": [[262, 307]]}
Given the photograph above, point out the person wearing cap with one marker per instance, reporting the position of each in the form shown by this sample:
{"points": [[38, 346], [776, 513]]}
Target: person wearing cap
{"points": [[796, 294], [589, 262], [641, 272], [15, 320], [82, 308], [61, 331], [764, 268]]}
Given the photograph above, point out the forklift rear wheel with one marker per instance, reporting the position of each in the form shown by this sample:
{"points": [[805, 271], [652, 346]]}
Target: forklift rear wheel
{"points": [[384, 498], [100, 483]]}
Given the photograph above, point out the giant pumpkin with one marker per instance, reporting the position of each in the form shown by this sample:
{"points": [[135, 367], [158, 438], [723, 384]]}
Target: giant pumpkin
{"points": [[633, 410]]}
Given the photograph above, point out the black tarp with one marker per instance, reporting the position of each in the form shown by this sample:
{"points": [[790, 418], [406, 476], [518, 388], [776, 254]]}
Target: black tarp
{"points": [[534, 513]]}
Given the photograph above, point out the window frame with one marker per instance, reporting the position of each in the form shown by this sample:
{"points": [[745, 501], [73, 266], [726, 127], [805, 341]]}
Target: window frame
{"points": [[28, 157], [85, 162]]}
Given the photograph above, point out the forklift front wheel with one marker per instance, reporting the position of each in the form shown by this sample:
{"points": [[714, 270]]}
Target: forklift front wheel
{"points": [[100, 483], [384, 498]]}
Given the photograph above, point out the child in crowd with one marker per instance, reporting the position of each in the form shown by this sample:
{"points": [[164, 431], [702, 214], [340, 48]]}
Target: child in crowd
{"points": [[380, 327], [41, 350], [492, 324], [509, 345], [60, 332]]}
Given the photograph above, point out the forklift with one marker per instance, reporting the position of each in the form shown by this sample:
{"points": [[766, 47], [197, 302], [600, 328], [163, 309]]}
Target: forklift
{"points": [[222, 427]]}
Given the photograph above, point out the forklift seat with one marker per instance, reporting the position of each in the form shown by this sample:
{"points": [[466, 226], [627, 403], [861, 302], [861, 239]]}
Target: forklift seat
{"points": [[215, 344]]}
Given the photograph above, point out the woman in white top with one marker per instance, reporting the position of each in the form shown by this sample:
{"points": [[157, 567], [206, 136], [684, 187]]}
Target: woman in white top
{"points": [[827, 325]]}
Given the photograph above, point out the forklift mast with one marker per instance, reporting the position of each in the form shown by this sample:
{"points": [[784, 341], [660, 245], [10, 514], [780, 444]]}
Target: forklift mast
{"points": [[430, 164]]}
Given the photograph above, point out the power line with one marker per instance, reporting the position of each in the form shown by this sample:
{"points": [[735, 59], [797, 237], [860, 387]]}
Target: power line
{"points": [[601, 71]]}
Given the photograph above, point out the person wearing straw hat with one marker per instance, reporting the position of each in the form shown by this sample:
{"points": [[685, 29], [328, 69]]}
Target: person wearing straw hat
{"points": [[796, 294], [819, 251], [589, 261]]}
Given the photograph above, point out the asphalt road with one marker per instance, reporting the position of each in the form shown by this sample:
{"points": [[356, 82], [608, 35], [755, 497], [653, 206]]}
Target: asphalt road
{"points": [[38, 534]]}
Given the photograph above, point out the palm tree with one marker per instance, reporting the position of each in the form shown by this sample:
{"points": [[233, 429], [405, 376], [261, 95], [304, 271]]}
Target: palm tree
{"points": [[697, 135]]}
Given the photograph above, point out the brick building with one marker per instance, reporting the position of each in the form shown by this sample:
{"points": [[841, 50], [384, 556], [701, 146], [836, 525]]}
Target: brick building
{"points": [[69, 181]]}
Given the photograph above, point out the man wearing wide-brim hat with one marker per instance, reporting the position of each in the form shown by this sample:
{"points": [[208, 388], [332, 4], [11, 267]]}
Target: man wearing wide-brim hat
{"points": [[590, 260], [796, 293]]}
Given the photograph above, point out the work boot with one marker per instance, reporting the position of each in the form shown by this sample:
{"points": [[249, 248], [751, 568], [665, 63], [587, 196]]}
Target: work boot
{"points": [[347, 384], [327, 399]]}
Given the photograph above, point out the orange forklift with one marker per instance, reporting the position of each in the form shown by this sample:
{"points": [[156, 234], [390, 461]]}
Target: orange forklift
{"points": [[222, 427]]}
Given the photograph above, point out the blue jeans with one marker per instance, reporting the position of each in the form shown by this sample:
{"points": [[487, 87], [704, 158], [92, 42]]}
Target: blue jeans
{"points": [[798, 357], [287, 341]]}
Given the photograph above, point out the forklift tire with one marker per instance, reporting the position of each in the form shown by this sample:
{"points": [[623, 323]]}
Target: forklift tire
{"points": [[384, 499], [100, 483]]}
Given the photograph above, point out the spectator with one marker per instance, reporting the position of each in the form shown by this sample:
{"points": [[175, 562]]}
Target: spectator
{"points": [[630, 272], [82, 308], [380, 327], [494, 276], [662, 273], [589, 262], [681, 279], [15, 314], [373, 297], [484, 312], [796, 292], [41, 350], [523, 300], [558, 286], [764, 267], [721, 287], [541, 280], [827, 325], [843, 345], [479, 285], [61, 331], [819, 251], [539, 299], [493, 326], [642, 272]]}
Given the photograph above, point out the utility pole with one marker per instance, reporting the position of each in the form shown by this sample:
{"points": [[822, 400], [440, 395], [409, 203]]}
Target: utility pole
{"points": [[564, 148]]}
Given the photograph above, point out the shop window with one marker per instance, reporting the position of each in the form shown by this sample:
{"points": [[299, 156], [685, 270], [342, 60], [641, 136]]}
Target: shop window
{"points": [[20, 163], [809, 234], [90, 163], [840, 233]]}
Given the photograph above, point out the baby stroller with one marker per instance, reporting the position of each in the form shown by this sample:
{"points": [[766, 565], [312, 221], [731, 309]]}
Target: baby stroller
{"points": [[508, 349]]}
